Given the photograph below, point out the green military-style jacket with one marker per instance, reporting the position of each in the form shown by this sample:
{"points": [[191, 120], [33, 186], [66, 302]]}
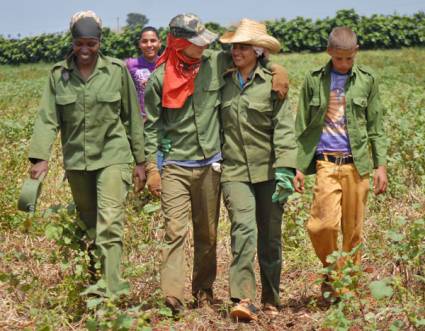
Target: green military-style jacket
{"points": [[258, 129], [364, 115], [193, 129], [99, 119]]}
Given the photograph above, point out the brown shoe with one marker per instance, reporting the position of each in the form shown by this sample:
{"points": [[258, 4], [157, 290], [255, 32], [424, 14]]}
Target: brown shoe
{"points": [[244, 310], [175, 305], [328, 292], [270, 310]]}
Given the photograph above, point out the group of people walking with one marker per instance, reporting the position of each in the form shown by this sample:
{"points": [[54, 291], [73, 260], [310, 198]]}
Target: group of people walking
{"points": [[200, 124]]}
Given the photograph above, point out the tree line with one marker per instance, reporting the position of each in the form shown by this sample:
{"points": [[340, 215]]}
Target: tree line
{"points": [[296, 35]]}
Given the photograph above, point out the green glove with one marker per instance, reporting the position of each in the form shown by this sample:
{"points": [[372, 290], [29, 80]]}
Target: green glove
{"points": [[284, 184], [165, 145]]}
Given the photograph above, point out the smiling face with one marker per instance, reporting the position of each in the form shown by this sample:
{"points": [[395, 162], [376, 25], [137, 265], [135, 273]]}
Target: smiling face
{"points": [[86, 50], [149, 44], [243, 56], [342, 59]]}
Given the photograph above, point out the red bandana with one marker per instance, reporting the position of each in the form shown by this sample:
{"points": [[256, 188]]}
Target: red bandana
{"points": [[180, 73]]}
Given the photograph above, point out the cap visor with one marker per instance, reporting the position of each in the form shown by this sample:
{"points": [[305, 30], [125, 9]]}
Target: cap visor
{"points": [[204, 38]]}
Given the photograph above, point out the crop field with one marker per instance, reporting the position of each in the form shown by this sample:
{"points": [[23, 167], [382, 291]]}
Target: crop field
{"points": [[43, 270]]}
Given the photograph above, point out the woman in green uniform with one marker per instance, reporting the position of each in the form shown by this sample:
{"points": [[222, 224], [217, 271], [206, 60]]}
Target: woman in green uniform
{"points": [[259, 152], [91, 99]]}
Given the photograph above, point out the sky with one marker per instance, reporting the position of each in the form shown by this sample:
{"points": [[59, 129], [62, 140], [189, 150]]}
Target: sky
{"points": [[33, 17]]}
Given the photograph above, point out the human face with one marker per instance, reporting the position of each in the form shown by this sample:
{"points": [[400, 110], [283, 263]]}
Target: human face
{"points": [[342, 59], [244, 56], [194, 51], [149, 44], [86, 50]]}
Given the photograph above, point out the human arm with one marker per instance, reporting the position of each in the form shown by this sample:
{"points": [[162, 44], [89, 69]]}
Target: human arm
{"points": [[375, 128], [380, 180], [285, 150], [303, 116], [45, 130], [299, 181], [153, 108], [280, 81], [130, 117]]}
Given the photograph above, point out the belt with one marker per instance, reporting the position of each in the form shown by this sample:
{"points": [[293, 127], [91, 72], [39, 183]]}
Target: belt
{"points": [[343, 159]]}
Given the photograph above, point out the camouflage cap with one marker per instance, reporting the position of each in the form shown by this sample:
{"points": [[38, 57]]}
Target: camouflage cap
{"points": [[190, 27]]}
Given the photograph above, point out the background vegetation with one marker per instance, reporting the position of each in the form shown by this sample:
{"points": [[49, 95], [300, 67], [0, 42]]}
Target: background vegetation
{"points": [[299, 34], [43, 269]]}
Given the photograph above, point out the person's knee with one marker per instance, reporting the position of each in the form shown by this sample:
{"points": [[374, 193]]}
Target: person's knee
{"points": [[317, 227]]}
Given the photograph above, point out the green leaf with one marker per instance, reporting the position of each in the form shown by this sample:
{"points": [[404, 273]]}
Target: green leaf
{"points": [[165, 311], [151, 208], [420, 322], [394, 236], [123, 322], [53, 232], [93, 303], [397, 325], [91, 325], [380, 289]]}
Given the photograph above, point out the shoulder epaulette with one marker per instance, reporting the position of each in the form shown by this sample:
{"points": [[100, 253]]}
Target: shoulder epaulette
{"points": [[58, 65], [317, 69], [366, 70], [116, 61]]}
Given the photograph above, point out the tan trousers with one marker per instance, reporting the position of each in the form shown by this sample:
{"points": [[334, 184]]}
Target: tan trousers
{"points": [[184, 189], [339, 202]]}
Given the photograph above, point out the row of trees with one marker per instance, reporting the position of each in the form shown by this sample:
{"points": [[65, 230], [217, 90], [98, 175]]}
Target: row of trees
{"points": [[299, 34]]}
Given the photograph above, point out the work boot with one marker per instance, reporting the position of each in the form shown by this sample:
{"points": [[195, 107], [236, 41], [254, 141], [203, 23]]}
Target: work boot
{"points": [[204, 298], [244, 310], [328, 292], [270, 310], [175, 305]]}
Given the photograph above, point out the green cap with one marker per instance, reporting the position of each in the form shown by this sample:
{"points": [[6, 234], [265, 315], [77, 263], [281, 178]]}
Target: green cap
{"points": [[190, 27], [30, 192]]}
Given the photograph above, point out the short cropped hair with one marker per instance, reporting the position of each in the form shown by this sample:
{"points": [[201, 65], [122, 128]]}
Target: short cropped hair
{"points": [[342, 37], [150, 28]]}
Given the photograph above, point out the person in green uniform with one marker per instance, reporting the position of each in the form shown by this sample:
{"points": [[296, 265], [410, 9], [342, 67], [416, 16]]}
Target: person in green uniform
{"points": [[92, 101], [259, 161], [182, 100]]}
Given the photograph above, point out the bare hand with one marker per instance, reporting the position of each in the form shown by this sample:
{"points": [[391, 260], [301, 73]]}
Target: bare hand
{"points": [[380, 180], [38, 169], [139, 177], [154, 179], [299, 182]]}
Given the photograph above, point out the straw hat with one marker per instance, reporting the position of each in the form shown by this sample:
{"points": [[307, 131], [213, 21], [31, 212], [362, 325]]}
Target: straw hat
{"points": [[252, 33]]}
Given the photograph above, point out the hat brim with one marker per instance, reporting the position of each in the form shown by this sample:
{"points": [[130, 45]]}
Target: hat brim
{"points": [[205, 38], [265, 41]]}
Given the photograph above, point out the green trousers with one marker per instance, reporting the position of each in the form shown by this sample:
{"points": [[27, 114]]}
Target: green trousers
{"points": [[183, 189], [255, 226], [99, 196]]}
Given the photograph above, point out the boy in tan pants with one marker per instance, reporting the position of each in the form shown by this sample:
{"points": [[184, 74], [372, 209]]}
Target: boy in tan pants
{"points": [[340, 114]]}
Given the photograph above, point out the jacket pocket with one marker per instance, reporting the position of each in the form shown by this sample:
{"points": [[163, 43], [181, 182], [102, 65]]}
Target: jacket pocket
{"points": [[260, 107], [260, 114], [314, 104], [208, 97], [359, 110], [110, 104], [66, 104]]}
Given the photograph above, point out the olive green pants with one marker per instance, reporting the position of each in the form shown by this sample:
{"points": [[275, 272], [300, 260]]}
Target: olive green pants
{"points": [[99, 196], [183, 189], [255, 226]]}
